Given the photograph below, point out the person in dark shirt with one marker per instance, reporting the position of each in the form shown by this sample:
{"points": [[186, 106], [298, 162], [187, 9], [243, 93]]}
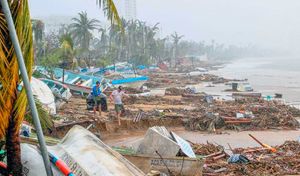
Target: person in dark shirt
{"points": [[97, 98]]}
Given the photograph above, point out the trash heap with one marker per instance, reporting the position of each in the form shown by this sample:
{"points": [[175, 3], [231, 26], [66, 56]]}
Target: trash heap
{"points": [[244, 115], [259, 161], [206, 149], [157, 80]]}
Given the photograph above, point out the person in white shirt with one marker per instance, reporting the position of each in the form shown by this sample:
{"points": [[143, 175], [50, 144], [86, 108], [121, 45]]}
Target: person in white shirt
{"points": [[117, 96]]}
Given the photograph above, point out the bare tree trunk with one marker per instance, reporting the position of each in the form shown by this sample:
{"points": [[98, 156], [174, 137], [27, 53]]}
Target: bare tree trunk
{"points": [[14, 164]]}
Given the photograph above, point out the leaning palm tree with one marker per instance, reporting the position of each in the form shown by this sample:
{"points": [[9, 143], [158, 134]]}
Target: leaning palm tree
{"points": [[82, 29], [12, 102]]}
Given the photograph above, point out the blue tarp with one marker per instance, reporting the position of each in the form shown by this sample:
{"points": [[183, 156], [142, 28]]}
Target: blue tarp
{"points": [[141, 67], [130, 80]]}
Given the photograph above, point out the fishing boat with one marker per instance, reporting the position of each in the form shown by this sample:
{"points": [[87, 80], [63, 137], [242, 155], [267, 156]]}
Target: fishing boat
{"points": [[74, 81], [132, 82], [176, 165], [83, 83], [59, 90], [83, 153], [44, 94]]}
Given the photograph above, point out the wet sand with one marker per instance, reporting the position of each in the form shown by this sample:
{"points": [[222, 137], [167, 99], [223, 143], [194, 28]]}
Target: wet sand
{"points": [[235, 139]]}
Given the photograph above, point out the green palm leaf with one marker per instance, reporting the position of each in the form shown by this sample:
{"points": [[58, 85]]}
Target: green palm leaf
{"points": [[44, 116], [110, 11]]}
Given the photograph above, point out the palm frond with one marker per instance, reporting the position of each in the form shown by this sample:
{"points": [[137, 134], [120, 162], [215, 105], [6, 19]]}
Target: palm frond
{"points": [[12, 103], [111, 12], [44, 116]]}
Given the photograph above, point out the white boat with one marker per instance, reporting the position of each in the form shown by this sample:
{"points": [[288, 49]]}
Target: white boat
{"points": [[195, 73], [44, 94], [135, 85], [58, 89], [200, 69], [79, 88], [84, 154]]}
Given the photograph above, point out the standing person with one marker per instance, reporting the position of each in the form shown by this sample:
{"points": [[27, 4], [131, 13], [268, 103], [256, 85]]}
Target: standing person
{"points": [[117, 96], [97, 98]]}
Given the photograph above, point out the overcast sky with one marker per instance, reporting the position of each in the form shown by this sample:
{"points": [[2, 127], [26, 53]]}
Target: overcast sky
{"points": [[263, 22]]}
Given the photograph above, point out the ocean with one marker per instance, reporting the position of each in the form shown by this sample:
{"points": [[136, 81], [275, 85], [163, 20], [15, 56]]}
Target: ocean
{"points": [[267, 75]]}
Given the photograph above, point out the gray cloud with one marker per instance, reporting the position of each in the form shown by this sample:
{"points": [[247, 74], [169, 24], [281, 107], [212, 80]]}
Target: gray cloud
{"points": [[273, 23]]}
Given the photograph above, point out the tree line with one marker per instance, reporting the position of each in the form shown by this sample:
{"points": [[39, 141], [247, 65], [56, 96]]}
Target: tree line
{"points": [[86, 43]]}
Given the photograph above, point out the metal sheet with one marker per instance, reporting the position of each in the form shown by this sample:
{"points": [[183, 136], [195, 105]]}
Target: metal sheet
{"points": [[184, 146]]}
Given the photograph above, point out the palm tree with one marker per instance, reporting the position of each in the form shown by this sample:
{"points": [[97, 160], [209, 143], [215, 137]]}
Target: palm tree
{"points": [[12, 102], [38, 28], [67, 51], [82, 28], [104, 41], [176, 38]]}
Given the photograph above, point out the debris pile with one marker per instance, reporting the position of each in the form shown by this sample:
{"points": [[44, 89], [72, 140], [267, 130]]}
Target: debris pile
{"points": [[261, 162], [274, 117], [174, 91], [181, 79], [193, 112], [244, 114], [206, 149]]}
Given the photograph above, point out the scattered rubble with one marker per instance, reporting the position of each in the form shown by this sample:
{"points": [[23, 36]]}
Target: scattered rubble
{"points": [[206, 149], [193, 112], [158, 80], [262, 162], [264, 115]]}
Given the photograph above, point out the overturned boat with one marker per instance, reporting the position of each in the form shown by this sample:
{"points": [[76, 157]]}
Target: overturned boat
{"points": [[44, 94], [83, 153], [59, 90], [83, 83], [159, 151]]}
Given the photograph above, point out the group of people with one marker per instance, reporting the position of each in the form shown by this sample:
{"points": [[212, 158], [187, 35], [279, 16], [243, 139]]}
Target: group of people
{"points": [[116, 97]]}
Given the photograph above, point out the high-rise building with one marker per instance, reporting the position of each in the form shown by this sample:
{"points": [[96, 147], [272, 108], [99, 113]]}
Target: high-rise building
{"points": [[130, 9]]}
